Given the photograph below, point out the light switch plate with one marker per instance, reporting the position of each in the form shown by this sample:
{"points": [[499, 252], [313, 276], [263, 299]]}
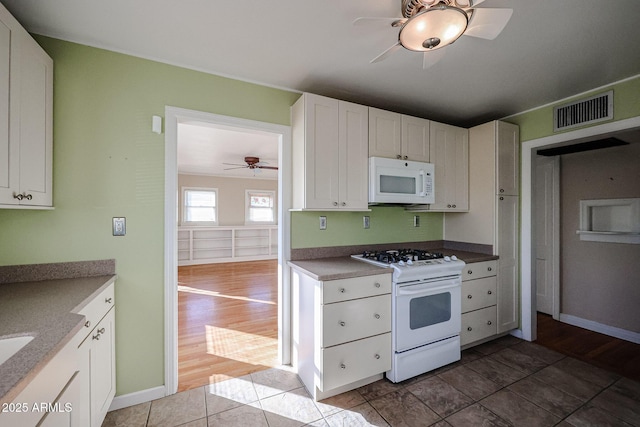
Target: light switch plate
{"points": [[366, 222], [323, 223], [119, 226]]}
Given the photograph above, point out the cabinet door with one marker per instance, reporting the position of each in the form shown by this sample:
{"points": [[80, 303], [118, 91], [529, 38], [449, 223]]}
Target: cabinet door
{"points": [[103, 364], [449, 151], [353, 159], [322, 152], [385, 134], [9, 159], [508, 163], [415, 139], [507, 249]]}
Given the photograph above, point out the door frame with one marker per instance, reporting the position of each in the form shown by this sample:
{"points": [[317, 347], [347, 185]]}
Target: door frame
{"points": [[174, 116], [528, 323]]}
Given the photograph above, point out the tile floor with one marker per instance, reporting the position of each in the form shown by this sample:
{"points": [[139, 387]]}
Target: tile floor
{"points": [[507, 382]]}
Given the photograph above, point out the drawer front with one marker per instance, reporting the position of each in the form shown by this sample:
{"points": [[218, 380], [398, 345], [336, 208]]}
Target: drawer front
{"points": [[478, 324], [478, 270], [356, 287], [355, 319], [479, 293], [346, 363], [98, 308]]}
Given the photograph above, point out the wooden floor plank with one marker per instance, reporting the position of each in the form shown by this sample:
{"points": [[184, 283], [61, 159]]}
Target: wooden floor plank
{"points": [[227, 321]]}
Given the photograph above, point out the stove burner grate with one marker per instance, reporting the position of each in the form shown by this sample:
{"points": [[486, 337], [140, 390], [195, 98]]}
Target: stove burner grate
{"points": [[393, 256]]}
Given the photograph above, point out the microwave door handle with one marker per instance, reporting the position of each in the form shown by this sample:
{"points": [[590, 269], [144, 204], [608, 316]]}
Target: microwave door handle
{"points": [[421, 173]]}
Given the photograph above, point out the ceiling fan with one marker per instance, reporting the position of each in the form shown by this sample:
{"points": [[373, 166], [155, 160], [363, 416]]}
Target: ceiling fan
{"points": [[253, 163], [429, 25]]}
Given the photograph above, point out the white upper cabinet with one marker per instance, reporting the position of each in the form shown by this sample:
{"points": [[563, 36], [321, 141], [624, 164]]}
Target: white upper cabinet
{"points": [[26, 107], [450, 156], [330, 146], [397, 136], [508, 160]]}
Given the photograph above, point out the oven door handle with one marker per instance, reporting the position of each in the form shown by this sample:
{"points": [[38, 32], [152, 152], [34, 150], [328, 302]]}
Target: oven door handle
{"points": [[420, 289]]}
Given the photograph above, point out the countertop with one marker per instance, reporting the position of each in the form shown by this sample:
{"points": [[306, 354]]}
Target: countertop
{"points": [[345, 267], [46, 310]]}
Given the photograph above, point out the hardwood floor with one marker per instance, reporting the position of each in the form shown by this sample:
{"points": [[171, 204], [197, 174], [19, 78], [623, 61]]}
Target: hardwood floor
{"points": [[227, 321], [603, 351]]}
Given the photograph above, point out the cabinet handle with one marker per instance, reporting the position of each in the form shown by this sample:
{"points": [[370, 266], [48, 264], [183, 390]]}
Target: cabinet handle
{"points": [[341, 323], [502, 190], [341, 290], [469, 272], [28, 196], [18, 196], [343, 366], [101, 331], [453, 206], [377, 356], [377, 285], [108, 300], [448, 206], [469, 329], [87, 324], [377, 316], [96, 336], [335, 203], [406, 157], [469, 296], [489, 323], [344, 203], [489, 292], [489, 269], [501, 198], [398, 156]]}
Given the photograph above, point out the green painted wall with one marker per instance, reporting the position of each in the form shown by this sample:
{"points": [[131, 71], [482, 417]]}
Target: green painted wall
{"points": [[538, 123], [108, 163], [387, 225]]}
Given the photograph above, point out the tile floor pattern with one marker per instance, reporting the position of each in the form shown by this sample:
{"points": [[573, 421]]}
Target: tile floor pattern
{"points": [[507, 382]]}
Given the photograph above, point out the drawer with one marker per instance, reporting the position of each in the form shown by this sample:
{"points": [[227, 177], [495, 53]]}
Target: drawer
{"points": [[355, 319], [354, 361], [478, 324], [98, 307], [355, 287], [479, 293], [478, 270]]}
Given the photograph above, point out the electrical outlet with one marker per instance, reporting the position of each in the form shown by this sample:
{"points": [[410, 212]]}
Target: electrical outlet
{"points": [[323, 223], [366, 222], [119, 226], [416, 221]]}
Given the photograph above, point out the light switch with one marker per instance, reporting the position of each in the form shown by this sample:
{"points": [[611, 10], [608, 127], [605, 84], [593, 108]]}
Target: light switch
{"points": [[119, 226]]}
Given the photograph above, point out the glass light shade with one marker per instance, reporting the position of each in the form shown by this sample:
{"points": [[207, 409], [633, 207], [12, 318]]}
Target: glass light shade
{"points": [[434, 28]]}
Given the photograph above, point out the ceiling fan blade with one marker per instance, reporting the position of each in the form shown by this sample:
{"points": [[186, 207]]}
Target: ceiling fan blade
{"points": [[268, 167], [235, 164], [429, 59], [386, 53], [228, 169], [477, 2], [488, 23], [365, 20]]}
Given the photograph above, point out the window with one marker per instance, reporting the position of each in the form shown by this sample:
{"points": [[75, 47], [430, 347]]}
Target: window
{"points": [[260, 207], [200, 206]]}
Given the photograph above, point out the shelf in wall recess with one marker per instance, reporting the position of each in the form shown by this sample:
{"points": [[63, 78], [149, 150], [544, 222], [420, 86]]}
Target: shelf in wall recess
{"points": [[609, 236]]}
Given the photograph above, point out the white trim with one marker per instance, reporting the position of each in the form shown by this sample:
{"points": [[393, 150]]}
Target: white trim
{"points": [[612, 331], [137, 397], [527, 294], [173, 116]]}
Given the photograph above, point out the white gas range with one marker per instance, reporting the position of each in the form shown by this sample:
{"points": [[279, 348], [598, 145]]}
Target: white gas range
{"points": [[426, 309]]}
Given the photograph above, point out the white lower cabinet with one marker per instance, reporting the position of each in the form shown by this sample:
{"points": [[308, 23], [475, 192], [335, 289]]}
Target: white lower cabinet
{"points": [[479, 299], [342, 332]]}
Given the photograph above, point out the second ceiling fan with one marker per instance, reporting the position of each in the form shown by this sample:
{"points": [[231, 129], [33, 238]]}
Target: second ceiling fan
{"points": [[429, 25], [251, 163]]}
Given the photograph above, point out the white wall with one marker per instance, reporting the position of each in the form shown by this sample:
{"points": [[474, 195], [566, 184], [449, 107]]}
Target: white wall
{"points": [[231, 194]]}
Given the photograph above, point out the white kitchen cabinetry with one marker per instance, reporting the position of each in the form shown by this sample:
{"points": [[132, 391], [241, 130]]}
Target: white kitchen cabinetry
{"points": [[450, 156], [342, 331], [494, 158], [479, 291], [97, 355], [26, 106], [329, 155], [207, 245], [398, 136]]}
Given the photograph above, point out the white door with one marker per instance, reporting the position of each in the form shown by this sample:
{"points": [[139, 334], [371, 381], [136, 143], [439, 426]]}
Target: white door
{"points": [[546, 223]]}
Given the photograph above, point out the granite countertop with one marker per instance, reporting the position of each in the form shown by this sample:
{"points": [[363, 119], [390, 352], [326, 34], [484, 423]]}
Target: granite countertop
{"points": [[344, 267], [46, 310]]}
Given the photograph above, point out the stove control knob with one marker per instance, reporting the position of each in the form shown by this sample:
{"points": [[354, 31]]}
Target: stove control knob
{"points": [[447, 258], [401, 263], [454, 258], [409, 262]]}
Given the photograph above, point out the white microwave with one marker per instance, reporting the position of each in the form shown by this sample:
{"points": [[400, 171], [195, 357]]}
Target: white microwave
{"points": [[400, 181]]}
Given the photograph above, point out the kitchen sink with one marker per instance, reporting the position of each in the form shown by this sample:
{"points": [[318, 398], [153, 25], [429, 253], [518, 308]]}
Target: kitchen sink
{"points": [[10, 346]]}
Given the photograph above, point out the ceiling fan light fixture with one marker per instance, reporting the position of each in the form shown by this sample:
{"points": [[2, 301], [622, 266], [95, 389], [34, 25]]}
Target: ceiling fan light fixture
{"points": [[433, 28]]}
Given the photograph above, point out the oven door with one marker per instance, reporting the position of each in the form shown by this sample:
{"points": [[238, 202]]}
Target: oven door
{"points": [[425, 312]]}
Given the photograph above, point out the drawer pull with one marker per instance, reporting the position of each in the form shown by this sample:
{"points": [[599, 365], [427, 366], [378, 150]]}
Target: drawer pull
{"points": [[377, 316], [489, 269], [489, 323], [96, 336], [469, 272], [108, 300], [341, 323], [469, 329], [377, 356], [87, 323], [469, 296], [489, 292], [377, 285], [101, 331], [343, 366], [341, 290]]}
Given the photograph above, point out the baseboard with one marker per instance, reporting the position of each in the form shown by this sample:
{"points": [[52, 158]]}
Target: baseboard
{"points": [[138, 397], [612, 331]]}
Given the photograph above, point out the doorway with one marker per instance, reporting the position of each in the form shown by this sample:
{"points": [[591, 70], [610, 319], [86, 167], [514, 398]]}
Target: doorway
{"points": [[174, 117]]}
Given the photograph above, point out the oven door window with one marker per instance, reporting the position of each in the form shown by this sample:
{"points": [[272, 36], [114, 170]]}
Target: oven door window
{"points": [[429, 310]]}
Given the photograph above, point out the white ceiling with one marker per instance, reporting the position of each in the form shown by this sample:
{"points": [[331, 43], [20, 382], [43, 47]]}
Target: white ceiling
{"points": [[549, 50]]}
